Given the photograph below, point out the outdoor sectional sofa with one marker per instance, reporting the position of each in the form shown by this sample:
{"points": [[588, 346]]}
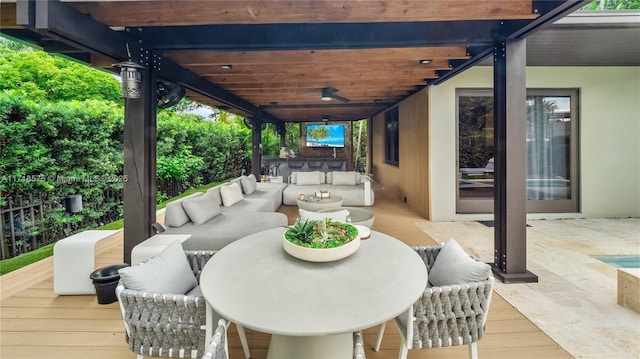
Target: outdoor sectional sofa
{"points": [[243, 206], [354, 188], [225, 213]]}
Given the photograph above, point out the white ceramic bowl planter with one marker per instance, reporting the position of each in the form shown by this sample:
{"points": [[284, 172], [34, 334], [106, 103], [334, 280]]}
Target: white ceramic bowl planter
{"points": [[323, 254]]}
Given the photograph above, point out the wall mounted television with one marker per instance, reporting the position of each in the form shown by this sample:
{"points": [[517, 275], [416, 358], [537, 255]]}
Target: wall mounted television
{"points": [[325, 135]]}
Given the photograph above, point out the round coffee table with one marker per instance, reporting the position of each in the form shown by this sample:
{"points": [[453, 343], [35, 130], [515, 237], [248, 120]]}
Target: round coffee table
{"points": [[314, 204], [360, 216]]}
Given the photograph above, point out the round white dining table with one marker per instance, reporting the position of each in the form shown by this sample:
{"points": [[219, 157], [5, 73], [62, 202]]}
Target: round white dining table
{"points": [[311, 309]]}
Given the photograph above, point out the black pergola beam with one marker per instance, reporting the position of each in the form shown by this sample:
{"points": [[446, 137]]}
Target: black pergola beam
{"points": [[319, 36], [549, 10], [444, 75], [79, 30], [334, 105]]}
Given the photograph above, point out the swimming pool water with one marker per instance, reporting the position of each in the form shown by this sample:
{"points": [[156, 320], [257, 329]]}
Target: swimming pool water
{"points": [[621, 261]]}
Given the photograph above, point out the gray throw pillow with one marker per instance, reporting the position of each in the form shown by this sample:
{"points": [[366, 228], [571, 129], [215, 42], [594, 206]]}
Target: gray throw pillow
{"points": [[174, 214], [167, 273], [249, 183], [201, 209], [214, 194], [454, 266]]}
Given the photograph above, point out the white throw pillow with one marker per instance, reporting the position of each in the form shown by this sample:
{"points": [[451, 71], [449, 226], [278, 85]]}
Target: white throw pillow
{"points": [[307, 178], [174, 214], [201, 209], [167, 273], [344, 178], [249, 183], [454, 266], [231, 194], [340, 215]]}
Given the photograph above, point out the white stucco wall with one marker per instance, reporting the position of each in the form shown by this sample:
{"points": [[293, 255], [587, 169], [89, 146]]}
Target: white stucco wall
{"points": [[609, 130]]}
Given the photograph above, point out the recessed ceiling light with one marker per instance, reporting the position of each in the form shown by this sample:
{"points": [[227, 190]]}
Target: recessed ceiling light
{"points": [[425, 61], [226, 67]]}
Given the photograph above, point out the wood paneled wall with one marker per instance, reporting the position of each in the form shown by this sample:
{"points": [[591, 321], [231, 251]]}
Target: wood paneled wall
{"points": [[410, 180]]}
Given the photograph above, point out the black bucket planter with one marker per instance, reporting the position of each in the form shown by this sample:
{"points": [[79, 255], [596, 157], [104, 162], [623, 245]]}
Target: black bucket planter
{"points": [[105, 281]]}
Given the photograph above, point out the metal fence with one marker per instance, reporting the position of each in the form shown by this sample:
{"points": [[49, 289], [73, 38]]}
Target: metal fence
{"points": [[31, 221]]}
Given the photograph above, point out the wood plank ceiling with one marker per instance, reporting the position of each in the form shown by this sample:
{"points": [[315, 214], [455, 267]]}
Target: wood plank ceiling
{"points": [[278, 55]]}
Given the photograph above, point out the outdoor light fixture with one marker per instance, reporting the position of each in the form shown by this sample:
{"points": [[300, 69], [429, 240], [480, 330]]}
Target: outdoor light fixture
{"points": [[329, 93], [131, 76], [73, 203], [226, 67], [425, 61]]}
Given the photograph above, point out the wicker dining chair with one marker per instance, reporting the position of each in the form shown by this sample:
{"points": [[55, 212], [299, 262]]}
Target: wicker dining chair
{"points": [[358, 346], [444, 315], [169, 325], [218, 346]]}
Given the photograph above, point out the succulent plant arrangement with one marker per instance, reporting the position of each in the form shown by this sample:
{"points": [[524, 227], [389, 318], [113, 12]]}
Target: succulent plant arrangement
{"points": [[323, 233]]}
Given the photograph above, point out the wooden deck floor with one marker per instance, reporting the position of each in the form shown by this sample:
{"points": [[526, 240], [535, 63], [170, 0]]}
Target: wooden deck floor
{"points": [[35, 323]]}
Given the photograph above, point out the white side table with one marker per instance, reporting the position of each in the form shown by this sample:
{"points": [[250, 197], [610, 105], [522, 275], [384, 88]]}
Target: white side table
{"points": [[74, 260], [153, 246]]}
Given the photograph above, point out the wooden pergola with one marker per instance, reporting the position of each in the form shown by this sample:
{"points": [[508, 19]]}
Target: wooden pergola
{"points": [[270, 61]]}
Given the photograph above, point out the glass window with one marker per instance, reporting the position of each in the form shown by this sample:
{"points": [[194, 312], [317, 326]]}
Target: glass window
{"points": [[391, 137], [551, 151]]}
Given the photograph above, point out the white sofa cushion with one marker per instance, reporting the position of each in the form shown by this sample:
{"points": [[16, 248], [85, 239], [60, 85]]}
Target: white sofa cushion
{"points": [[201, 209], [308, 178], [174, 215], [231, 194], [344, 178], [249, 183], [167, 273], [359, 178], [454, 266]]}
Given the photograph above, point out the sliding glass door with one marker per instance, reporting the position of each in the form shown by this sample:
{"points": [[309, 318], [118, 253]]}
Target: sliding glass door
{"points": [[552, 151]]}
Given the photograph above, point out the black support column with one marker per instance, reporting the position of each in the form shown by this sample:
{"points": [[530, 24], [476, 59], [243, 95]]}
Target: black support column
{"points": [[256, 144], [510, 116], [282, 131], [139, 165]]}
